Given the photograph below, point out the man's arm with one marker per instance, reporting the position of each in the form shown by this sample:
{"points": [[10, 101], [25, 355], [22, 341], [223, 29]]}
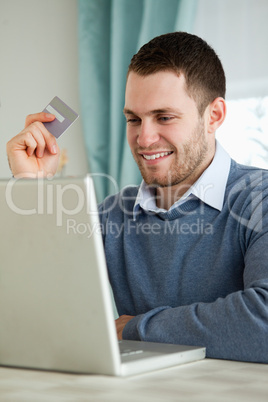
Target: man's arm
{"points": [[234, 327], [34, 151]]}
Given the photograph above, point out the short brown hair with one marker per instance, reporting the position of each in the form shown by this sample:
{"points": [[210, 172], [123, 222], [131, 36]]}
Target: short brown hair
{"points": [[185, 54]]}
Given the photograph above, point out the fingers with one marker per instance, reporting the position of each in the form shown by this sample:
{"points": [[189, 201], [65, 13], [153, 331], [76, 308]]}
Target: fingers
{"points": [[42, 117], [34, 149], [34, 139], [34, 126], [34, 143], [37, 139]]}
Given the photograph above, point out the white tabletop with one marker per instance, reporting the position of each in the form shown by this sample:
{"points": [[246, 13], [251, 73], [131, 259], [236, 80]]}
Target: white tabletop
{"points": [[207, 380]]}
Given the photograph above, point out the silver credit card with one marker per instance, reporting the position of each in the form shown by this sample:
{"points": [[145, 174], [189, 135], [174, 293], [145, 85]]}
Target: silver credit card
{"points": [[65, 117]]}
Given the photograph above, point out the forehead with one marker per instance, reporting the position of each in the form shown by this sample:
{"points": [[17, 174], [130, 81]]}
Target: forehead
{"points": [[160, 90]]}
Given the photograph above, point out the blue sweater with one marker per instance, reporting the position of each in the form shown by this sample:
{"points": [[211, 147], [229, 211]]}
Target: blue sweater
{"points": [[194, 275]]}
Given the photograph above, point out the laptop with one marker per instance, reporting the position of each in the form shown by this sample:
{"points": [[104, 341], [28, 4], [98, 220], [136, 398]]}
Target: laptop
{"points": [[56, 305]]}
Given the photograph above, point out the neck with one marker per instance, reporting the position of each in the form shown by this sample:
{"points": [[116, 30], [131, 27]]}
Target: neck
{"points": [[167, 196]]}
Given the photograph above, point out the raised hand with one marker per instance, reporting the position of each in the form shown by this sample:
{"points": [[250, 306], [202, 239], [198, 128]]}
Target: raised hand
{"points": [[34, 152]]}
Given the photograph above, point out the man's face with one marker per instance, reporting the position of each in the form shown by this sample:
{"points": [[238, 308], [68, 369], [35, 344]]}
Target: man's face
{"points": [[165, 132]]}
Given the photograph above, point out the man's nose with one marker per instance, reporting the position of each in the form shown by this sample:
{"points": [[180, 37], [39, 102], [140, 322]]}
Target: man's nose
{"points": [[147, 135]]}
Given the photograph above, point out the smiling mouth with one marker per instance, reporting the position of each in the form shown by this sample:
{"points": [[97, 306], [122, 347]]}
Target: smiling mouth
{"points": [[156, 156]]}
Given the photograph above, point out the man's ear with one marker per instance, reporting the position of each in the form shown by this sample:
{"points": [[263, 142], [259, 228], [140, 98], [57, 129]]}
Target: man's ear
{"points": [[216, 114]]}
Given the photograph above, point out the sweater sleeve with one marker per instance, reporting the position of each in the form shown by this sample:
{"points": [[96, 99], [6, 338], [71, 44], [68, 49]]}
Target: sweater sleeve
{"points": [[234, 327]]}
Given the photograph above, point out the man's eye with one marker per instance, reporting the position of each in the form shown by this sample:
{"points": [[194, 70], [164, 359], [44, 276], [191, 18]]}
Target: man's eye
{"points": [[165, 118], [133, 120]]}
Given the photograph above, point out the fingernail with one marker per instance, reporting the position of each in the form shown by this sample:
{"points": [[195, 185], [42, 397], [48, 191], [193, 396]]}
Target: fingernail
{"points": [[54, 149]]}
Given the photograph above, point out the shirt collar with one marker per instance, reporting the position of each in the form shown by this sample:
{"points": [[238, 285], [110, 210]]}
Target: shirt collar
{"points": [[209, 188]]}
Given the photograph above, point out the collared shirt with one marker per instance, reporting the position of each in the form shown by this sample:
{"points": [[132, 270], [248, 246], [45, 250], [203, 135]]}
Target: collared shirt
{"points": [[209, 188]]}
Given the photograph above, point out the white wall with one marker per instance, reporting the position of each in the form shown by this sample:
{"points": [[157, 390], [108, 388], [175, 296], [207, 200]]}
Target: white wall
{"points": [[238, 31], [38, 60]]}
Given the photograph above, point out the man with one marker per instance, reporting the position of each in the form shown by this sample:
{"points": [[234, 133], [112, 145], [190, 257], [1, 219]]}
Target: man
{"points": [[189, 262]]}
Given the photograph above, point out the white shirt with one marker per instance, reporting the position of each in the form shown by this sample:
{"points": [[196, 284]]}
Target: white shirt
{"points": [[209, 188]]}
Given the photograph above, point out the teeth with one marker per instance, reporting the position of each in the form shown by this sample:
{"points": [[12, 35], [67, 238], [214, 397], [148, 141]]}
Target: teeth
{"points": [[156, 156]]}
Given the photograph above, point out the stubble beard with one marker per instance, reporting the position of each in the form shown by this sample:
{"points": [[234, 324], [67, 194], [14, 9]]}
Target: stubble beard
{"points": [[188, 161]]}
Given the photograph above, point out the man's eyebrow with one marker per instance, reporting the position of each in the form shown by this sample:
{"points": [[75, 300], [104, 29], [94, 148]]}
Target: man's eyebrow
{"points": [[156, 111], [127, 111], [166, 110]]}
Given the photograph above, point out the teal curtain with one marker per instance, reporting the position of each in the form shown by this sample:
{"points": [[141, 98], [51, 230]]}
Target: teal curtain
{"points": [[110, 32]]}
